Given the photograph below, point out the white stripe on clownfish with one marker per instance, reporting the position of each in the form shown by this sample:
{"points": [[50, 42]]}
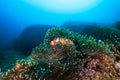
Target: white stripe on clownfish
{"points": [[57, 40]]}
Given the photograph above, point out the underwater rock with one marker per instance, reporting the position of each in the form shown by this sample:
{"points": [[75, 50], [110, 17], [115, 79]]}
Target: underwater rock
{"points": [[107, 34], [30, 38], [104, 33], [64, 61], [75, 26]]}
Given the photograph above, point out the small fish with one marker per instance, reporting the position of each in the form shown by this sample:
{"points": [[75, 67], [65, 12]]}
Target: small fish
{"points": [[18, 66]]}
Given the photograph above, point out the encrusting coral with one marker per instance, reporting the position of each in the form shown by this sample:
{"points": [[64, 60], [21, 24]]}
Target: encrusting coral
{"points": [[85, 59], [100, 66]]}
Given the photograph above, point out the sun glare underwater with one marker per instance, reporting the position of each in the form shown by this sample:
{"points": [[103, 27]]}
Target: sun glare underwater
{"points": [[59, 39], [64, 6]]}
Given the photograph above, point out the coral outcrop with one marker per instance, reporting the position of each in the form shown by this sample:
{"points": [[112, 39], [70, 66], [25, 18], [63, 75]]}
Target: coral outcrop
{"points": [[86, 59], [105, 33], [108, 34]]}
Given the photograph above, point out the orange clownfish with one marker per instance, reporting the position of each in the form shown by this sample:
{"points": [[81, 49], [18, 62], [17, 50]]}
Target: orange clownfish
{"points": [[63, 41], [18, 66]]}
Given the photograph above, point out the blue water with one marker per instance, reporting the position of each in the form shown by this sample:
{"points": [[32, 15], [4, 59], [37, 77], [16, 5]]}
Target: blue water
{"points": [[17, 15]]}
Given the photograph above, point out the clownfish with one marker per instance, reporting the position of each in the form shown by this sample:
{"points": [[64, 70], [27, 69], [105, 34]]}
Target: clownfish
{"points": [[18, 66], [63, 41]]}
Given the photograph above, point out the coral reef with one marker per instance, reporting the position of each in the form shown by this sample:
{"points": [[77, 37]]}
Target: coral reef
{"points": [[105, 33], [111, 35], [100, 66], [81, 42], [86, 59]]}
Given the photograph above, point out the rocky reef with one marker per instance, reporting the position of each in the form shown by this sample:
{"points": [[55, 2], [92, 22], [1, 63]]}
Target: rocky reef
{"points": [[85, 59], [105, 33]]}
